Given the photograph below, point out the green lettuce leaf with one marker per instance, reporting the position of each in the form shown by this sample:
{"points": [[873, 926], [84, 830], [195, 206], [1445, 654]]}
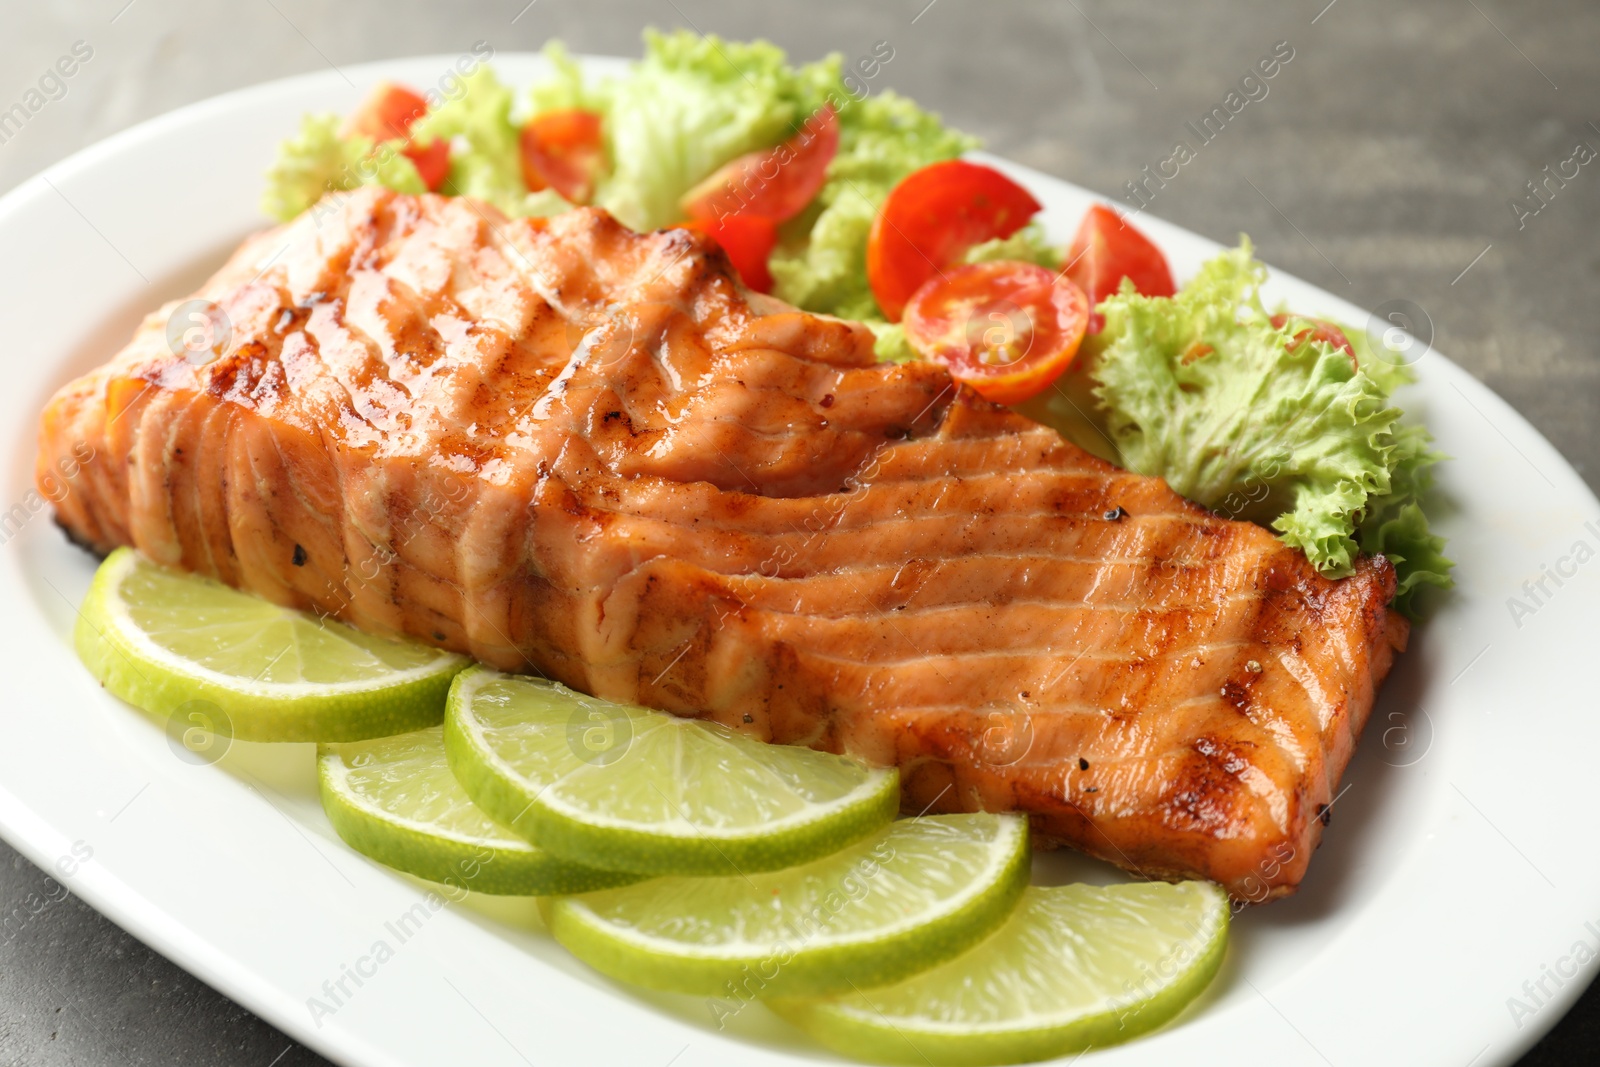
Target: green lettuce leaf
{"points": [[486, 160], [1029, 244], [1203, 391], [890, 343], [826, 270], [317, 161], [1395, 525], [564, 87]]}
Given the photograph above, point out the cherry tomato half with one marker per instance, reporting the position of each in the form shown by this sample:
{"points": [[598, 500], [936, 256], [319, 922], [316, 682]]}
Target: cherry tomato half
{"points": [[748, 240], [563, 150], [386, 115], [775, 183], [1108, 249], [1005, 328], [1319, 330], [931, 218]]}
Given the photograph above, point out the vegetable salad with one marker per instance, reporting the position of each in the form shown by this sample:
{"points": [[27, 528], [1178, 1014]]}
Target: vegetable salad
{"points": [[857, 203]]}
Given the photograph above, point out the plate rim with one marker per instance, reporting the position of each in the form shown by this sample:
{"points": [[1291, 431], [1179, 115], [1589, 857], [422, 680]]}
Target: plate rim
{"points": [[34, 835]]}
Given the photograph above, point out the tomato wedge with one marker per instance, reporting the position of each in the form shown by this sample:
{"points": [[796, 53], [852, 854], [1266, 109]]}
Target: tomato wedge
{"points": [[1108, 249], [1319, 330], [931, 218], [386, 115], [432, 161], [1005, 328], [776, 183], [748, 240], [564, 150]]}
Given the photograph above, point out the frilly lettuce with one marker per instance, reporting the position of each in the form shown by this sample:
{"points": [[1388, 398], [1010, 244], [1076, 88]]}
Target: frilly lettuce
{"points": [[1202, 390], [1396, 527], [1029, 244], [890, 344], [485, 162], [317, 161], [564, 87]]}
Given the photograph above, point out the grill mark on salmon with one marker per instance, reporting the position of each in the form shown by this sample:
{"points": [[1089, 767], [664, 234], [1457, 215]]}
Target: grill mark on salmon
{"points": [[563, 447]]}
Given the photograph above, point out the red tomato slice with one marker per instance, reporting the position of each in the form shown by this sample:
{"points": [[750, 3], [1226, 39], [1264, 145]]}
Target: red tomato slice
{"points": [[565, 151], [432, 161], [931, 218], [1108, 249], [386, 114], [1320, 330], [1005, 328], [748, 240], [776, 183]]}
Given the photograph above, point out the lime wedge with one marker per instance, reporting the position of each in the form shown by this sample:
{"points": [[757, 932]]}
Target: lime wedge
{"points": [[395, 800], [918, 892], [625, 788], [164, 640], [1075, 966]]}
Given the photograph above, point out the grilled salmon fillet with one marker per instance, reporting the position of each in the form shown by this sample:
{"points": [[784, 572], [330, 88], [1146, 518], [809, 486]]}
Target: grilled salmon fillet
{"points": [[561, 446]]}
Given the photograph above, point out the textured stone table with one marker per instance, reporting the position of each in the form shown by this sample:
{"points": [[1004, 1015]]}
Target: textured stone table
{"points": [[1381, 164]]}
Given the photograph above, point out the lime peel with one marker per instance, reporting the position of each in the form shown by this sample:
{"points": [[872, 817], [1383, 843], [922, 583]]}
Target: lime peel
{"points": [[919, 892], [394, 800], [1075, 967], [160, 639], [658, 794]]}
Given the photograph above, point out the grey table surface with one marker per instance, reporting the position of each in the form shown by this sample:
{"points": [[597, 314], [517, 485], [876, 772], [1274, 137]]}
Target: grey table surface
{"points": [[1382, 164]]}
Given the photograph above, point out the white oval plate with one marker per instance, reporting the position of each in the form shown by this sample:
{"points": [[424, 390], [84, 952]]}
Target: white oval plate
{"points": [[1456, 869]]}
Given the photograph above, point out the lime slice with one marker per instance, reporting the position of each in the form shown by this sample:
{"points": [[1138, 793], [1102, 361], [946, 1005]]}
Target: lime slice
{"points": [[1075, 966], [395, 800], [625, 788], [918, 892], [164, 640]]}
